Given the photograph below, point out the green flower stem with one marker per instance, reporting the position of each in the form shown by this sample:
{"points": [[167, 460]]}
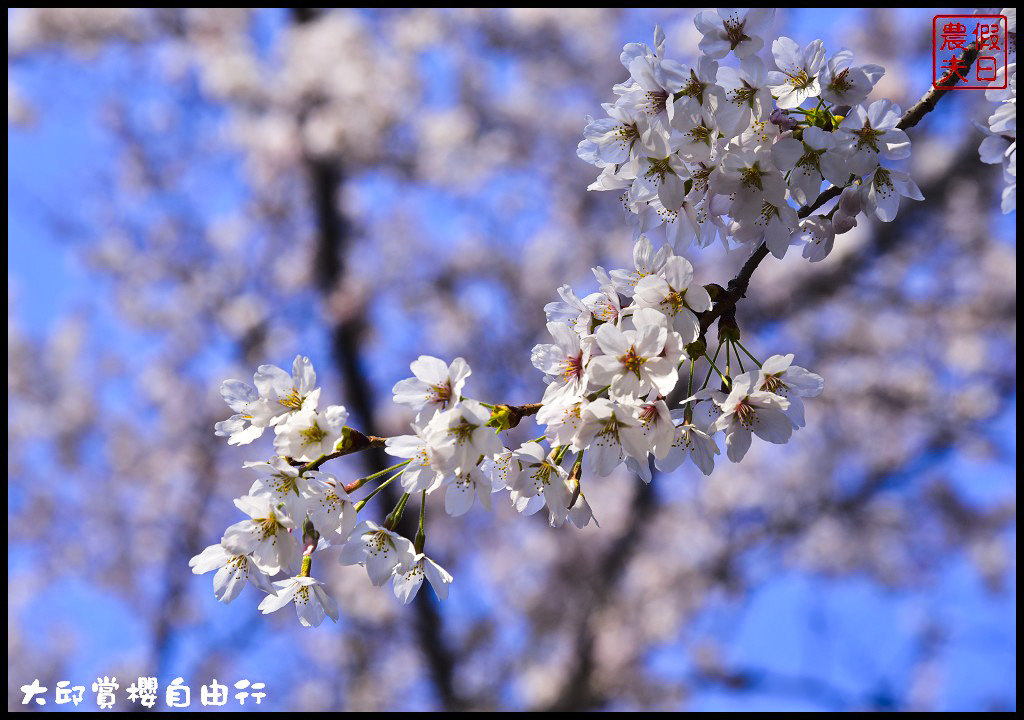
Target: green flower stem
{"points": [[392, 520], [362, 503], [688, 410], [574, 478], [598, 393], [560, 453], [421, 534], [739, 358], [749, 354], [725, 378], [356, 484], [708, 376]]}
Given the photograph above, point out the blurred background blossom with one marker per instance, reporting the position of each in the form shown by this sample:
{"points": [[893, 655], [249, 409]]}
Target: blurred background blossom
{"points": [[193, 193]]}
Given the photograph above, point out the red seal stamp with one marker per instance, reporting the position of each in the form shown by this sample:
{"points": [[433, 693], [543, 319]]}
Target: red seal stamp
{"points": [[952, 35]]}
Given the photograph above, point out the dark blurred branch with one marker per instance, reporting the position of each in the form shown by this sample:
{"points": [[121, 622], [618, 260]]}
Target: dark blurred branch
{"points": [[578, 691], [804, 687], [346, 336], [346, 333]]}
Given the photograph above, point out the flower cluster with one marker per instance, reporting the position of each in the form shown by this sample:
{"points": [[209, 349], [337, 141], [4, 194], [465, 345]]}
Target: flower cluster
{"points": [[288, 403], [1000, 144], [290, 498], [611, 372], [738, 152], [712, 151], [456, 448], [622, 357]]}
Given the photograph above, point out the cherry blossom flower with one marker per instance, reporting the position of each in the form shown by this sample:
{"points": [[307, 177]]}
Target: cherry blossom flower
{"points": [[424, 471], [436, 385], [688, 441], [308, 434], [460, 435], [653, 80], [673, 293], [616, 177], [843, 83], [819, 236], [779, 376], [656, 426], [993, 149], [378, 549], [609, 432], [661, 172], [253, 413], [570, 310], [409, 577], [233, 572], [882, 190], [331, 511], [645, 262], [738, 30], [849, 205], [561, 414], [698, 128], [276, 395], [1000, 145], [280, 480], [766, 216], [868, 135], [581, 514], [707, 408], [747, 411], [797, 76], [565, 360], [499, 468], [749, 172], [312, 603], [808, 162], [536, 481], [604, 307], [701, 86], [633, 363], [678, 228], [288, 393], [610, 140], [747, 98], [470, 482], [264, 535]]}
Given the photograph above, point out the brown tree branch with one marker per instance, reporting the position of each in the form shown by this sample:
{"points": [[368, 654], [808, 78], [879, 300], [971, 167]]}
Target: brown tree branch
{"points": [[926, 104]]}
